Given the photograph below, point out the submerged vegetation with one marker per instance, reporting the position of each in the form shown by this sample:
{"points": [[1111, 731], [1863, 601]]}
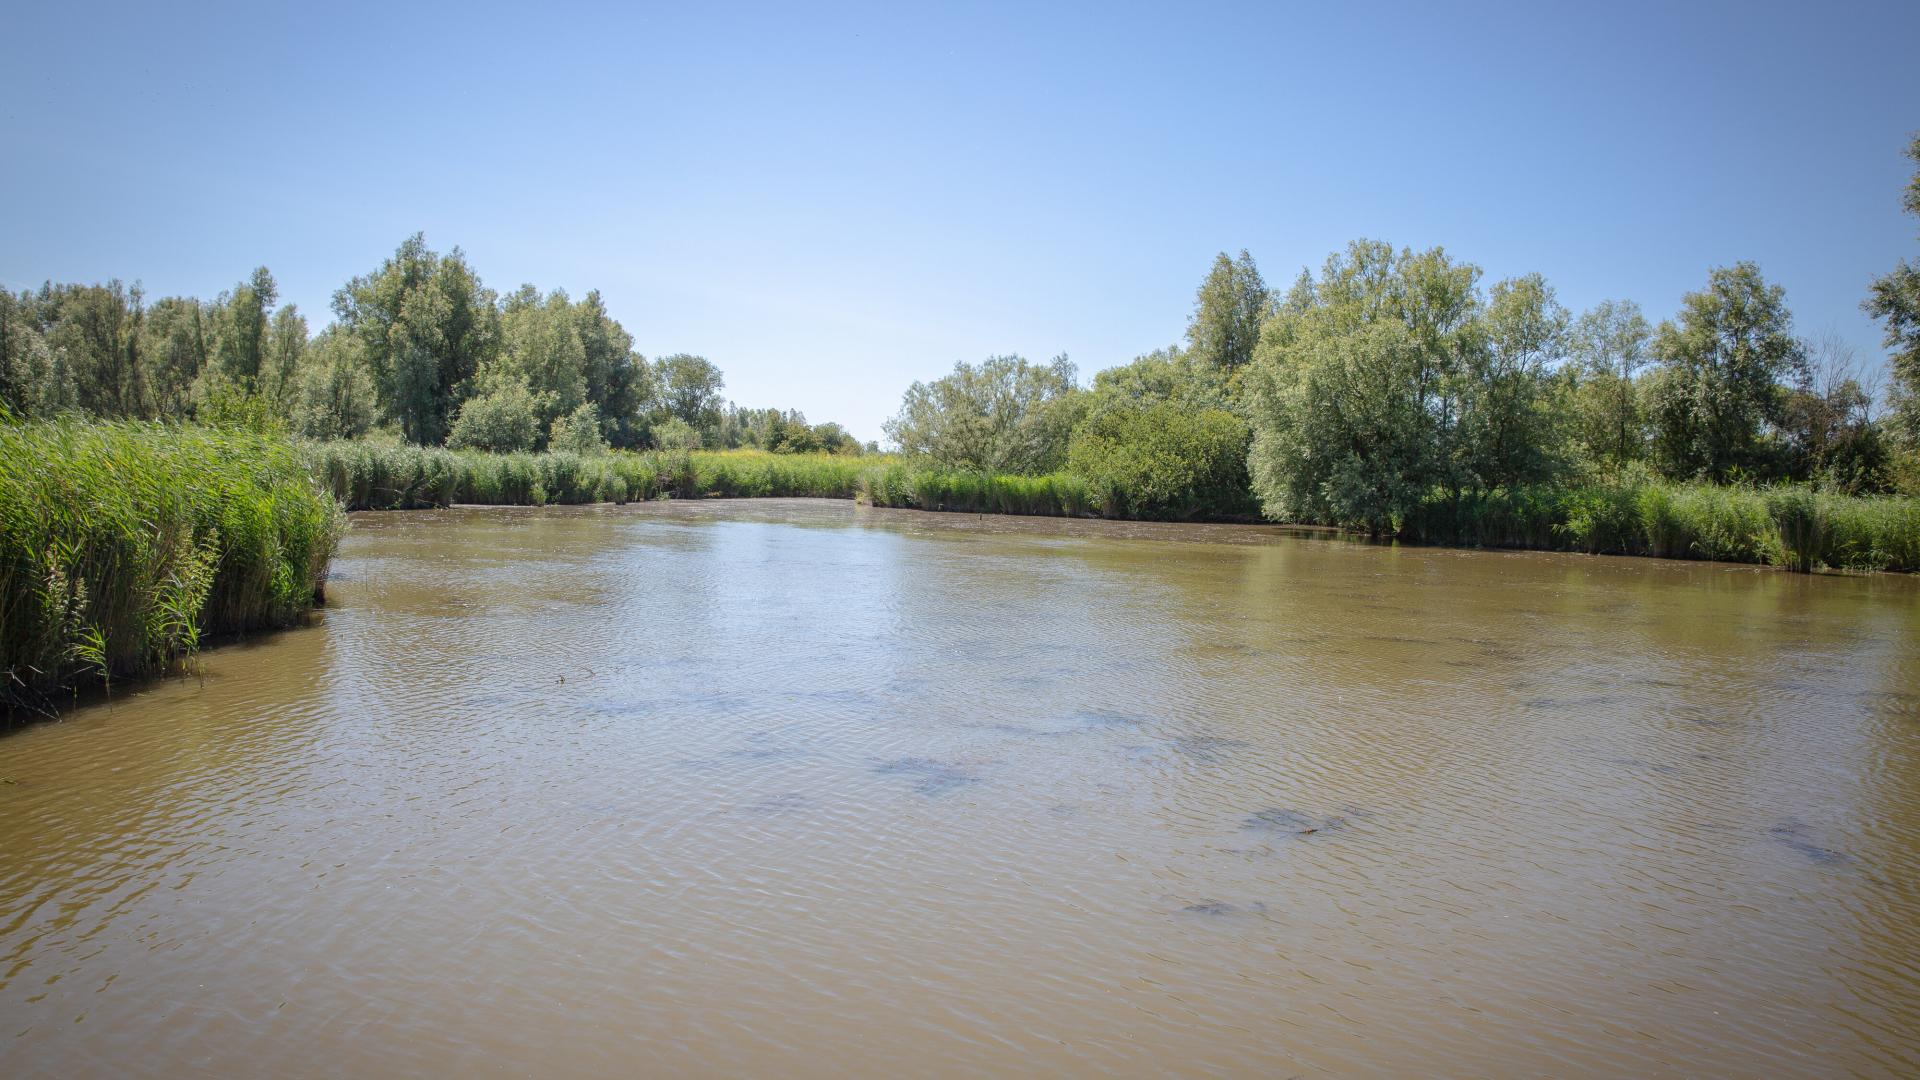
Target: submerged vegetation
{"points": [[123, 546]]}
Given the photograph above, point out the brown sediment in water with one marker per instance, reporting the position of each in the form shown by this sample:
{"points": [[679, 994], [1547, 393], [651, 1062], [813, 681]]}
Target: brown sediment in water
{"points": [[799, 788]]}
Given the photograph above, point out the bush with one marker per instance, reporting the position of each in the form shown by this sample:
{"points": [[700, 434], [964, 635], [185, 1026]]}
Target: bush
{"points": [[503, 421], [1164, 461], [578, 432]]}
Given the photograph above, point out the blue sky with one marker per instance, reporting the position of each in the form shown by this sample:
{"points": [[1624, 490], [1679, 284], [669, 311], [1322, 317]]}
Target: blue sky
{"points": [[832, 203]]}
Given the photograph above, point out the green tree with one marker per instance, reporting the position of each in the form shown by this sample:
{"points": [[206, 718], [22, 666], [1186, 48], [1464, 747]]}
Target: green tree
{"points": [[690, 391], [1391, 381], [1829, 423], [175, 348], [504, 419], [578, 432], [541, 349], [1164, 460], [1505, 431], [619, 380], [1718, 389], [1610, 347], [241, 328], [1164, 375], [427, 326], [286, 343], [92, 335], [1894, 299], [1229, 308], [1004, 415], [32, 382], [334, 392], [1349, 393]]}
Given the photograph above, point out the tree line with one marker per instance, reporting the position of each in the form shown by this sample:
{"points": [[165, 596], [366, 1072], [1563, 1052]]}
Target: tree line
{"points": [[419, 348], [1393, 378]]}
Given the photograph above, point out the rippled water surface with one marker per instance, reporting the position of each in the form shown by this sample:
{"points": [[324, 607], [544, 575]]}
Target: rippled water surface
{"points": [[797, 788]]}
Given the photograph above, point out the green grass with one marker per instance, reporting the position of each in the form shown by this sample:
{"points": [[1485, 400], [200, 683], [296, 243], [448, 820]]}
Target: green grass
{"points": [[371, 476], [124, 545], [920, 488], [1633, 513], [1795, 527]]}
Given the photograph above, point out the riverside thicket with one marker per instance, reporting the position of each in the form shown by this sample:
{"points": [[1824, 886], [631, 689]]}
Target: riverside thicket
{"points": [[123, 546]]}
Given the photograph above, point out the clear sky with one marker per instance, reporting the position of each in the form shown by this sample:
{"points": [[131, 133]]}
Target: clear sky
{"points": [[832, 203]]}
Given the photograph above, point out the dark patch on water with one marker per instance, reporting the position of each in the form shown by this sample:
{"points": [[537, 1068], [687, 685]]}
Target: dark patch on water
{"points": [[1218, 908], [1642, 765], [1209, 749], [934, 777], [1579, 701], [1797, 836], [1280, 819], [1102, 718]]}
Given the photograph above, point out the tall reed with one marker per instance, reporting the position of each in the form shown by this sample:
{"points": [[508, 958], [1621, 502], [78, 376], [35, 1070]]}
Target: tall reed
{"points": [[123, 545], [369, 476]]}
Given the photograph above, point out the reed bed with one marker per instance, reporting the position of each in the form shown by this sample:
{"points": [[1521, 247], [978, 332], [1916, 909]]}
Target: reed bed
{"points": [[370, 476], [1791, 526], [899, 484], [124, 545]]}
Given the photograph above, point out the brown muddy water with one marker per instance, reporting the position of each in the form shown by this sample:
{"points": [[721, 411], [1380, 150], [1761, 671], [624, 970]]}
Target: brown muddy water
{"points": [[800, 789]]}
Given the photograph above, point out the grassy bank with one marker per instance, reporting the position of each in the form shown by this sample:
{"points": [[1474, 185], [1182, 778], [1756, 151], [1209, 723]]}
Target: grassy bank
{"points": [[1636, 515], [1794, 527], [124, 545], [1060, 494], [369, 476]]}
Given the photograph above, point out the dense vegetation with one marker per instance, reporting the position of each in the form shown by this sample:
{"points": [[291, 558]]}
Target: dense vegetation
{"points": [[420, 349], [368, 476], [124, 545], [1395, 394]]}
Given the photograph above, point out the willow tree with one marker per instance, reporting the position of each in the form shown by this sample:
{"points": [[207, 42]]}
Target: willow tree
{"points": [[1005, 414], [1391, 381], [1895, 300], [427, 325], [1228, 310], [1719, 389], [1611, 345]]}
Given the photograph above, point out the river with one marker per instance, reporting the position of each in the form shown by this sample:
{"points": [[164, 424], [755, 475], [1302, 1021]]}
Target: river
{"points": [[793, 788]]}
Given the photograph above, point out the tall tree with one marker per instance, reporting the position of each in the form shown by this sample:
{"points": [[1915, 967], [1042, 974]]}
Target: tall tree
{"points": [[427, 325], [1718, 390], [1895, 300], [619, 380], [1229, 308], [175, 347], [242, 328], [1391, 380], [1004, 415], [1610, 347], [690, 391]]}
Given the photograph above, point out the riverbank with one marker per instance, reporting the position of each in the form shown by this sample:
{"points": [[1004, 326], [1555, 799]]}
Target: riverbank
{"points": [[124, 546], [1627, 514], [370, 476]]}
